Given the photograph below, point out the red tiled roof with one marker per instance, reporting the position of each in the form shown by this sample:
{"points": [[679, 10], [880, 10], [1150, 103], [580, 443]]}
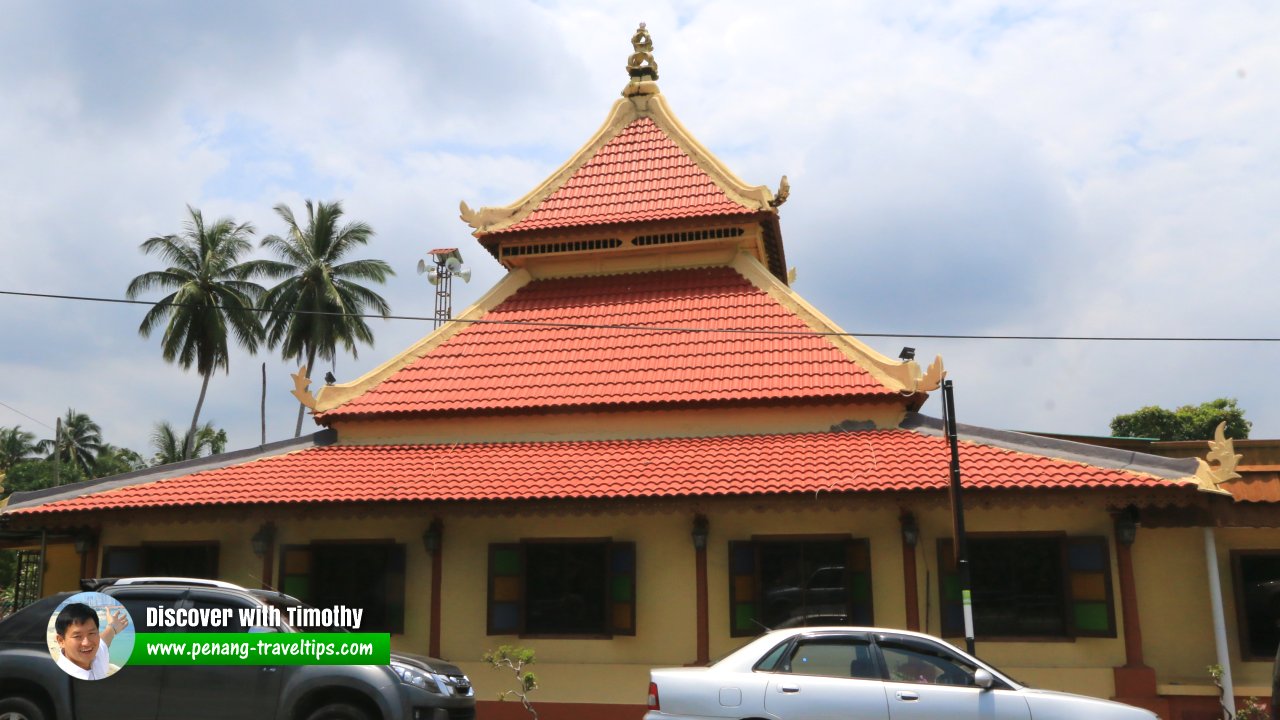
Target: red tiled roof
{"points": [[641, 174], [863, 461], [491, 366]]}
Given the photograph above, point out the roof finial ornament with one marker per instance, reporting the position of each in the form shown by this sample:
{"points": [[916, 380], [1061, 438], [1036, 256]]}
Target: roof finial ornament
{"points": [[641, 65]]}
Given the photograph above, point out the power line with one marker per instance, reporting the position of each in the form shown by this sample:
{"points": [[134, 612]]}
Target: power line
{"points": [[36, 420], [679, 329]]}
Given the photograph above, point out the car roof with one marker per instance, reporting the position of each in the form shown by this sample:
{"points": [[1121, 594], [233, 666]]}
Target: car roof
{"points": [[97, 584]]}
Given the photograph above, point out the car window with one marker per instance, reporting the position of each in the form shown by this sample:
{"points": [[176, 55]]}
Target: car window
{"points": [[220, 604], [841, 657], [771, 661], [925, 664], [31, 623], [137, 604]]}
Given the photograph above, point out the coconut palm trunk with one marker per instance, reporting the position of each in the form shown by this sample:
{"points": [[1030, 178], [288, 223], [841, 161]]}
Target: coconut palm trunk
{"points": [[195, 419]]}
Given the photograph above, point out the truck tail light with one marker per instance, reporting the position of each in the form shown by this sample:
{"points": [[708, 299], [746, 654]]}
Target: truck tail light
{"points": [[653, 697]]}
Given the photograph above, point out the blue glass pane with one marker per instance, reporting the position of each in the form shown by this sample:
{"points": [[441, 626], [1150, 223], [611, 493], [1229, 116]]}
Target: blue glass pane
{"points": [[742, 559], [505, 617], [623, 561], [1082, 557]]}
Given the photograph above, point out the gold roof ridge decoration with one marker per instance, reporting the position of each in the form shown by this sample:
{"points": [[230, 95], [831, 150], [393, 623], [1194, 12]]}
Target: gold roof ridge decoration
{"points": [[640, 64], [641, 98]]}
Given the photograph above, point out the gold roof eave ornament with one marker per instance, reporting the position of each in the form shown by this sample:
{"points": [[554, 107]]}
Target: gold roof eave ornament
{"points": [[1219, 465], [301, 385], [640, 98]]}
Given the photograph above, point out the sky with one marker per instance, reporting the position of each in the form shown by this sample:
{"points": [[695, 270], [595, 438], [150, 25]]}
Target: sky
{"points": [[966, 167]]}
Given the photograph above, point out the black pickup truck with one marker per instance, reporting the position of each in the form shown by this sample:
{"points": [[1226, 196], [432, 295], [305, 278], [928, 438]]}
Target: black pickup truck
{"points": [[32, 687]]}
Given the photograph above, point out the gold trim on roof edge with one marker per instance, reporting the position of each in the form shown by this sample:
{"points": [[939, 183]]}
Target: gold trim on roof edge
{"points": [[1219, 465], [904, 377], [334, 396], [643, 101]]}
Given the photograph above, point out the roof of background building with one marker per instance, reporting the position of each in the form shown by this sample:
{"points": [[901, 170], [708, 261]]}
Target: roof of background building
{"points": [[497, 365]]}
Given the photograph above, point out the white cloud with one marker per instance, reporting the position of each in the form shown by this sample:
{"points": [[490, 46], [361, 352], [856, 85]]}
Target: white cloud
{"points": [[968, 167]]}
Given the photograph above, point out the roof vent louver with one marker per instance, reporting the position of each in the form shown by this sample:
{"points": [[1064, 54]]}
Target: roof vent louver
{"points": [[568, 246], [688, 236]]}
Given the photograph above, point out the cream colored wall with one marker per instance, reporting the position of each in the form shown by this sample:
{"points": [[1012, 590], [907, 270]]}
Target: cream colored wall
{"points": [[617, 425], [1173, 602], [1172, 575], [61, 569]]}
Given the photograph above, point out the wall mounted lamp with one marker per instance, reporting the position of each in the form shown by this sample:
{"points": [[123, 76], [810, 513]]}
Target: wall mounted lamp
{"points": [[910, 530], [1127, 525], [701, 528], [263, 539], [433, 537]]}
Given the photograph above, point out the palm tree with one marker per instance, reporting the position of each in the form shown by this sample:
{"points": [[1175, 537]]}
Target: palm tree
{"points": [[78, 444], [114, 460], [170, 448], [318, 304], [211, 292], [16, 445]]}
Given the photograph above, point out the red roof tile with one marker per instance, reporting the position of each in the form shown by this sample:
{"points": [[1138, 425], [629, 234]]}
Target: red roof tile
{"points": [[641, 174], [491, 366], [864, 461]]}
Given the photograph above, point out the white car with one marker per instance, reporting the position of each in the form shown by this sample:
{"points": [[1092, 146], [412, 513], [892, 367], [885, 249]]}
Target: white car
{"points": [[848, 673]]}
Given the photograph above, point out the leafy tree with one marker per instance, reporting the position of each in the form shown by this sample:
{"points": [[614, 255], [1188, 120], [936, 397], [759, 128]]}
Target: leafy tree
{"points": [[171, 448], [1189, 422], [212, 294], [317, 304], [114, 460], [78, 445], [16, 445], [39, 474]]}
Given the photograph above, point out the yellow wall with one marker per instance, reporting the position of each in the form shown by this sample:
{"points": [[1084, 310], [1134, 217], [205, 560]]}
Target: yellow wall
{"points": [[1169, 566], [1177, 622], [61, 569]]}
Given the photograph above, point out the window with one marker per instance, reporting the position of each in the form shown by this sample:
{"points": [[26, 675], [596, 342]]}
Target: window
{"points": [[1256, 574], [798, 582], [1030, 586], [840, 657], [924, 663], [583, 588], [366, 575], [180, 559]]}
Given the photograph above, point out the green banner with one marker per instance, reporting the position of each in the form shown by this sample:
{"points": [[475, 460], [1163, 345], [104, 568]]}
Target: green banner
{"points": [[261, 649]]}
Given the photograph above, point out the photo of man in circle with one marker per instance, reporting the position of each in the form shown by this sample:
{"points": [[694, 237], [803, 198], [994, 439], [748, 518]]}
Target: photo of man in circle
{"points": [[83, 631]]}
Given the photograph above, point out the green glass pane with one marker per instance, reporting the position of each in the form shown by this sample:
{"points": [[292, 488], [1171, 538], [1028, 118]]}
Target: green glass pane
{"points": [[622, 590], [860, 586], [506, 561], [298, 586], [744, 615], [951, 588], [1091, 617]]}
